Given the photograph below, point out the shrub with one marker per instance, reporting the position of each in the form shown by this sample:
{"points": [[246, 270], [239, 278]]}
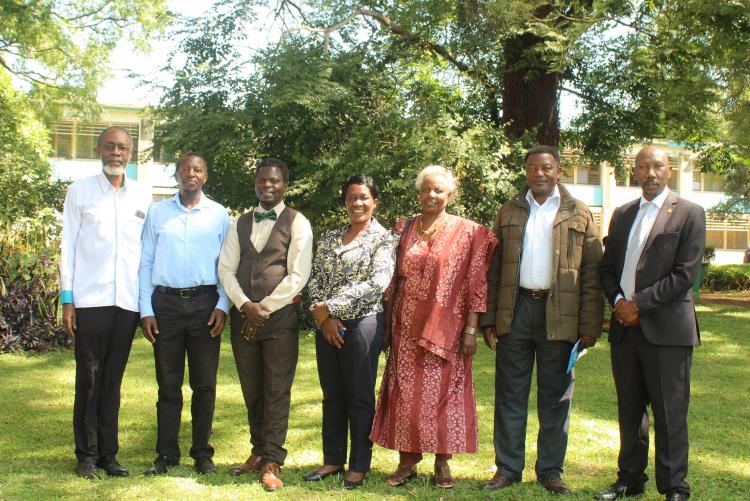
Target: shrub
{"points": [[727, 277], [29, 257]]}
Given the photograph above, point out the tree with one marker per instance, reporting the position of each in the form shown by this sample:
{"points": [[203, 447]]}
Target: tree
{"points": [[488, 73]]}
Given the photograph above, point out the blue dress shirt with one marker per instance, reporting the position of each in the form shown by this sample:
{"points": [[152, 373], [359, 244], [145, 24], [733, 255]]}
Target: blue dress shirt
{"points": [[181, 248]]}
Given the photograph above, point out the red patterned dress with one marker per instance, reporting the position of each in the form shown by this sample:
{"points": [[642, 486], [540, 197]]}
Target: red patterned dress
{"points": [[427, 401]]}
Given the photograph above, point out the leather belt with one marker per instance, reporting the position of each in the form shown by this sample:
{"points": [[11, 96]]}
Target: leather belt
{"points": [[186, 292], [534, 293]]}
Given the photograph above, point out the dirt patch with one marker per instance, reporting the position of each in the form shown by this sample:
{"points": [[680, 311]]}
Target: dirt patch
{"points": [[733, 298]]}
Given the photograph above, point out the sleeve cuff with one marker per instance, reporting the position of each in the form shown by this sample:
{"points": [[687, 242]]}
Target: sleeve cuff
{"points": [[223, 304], [66, 297]]}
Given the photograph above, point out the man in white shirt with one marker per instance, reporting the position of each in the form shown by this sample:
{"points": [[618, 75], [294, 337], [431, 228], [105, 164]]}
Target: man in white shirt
{"points": [[264, 264], [101, 249], [544, 296]]}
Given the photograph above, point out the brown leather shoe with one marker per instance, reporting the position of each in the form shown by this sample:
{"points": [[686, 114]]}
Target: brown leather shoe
{"points": [[270, 477], [498, 482], [443, 478], [403, 473], [555, 485], [253, 463]]}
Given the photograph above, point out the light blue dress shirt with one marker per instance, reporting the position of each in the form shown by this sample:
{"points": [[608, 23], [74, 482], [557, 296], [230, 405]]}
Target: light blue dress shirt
{"points": [[181, 248]]}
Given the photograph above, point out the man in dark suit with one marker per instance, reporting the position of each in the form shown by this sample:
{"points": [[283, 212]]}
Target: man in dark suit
{"points": [[653, 254]]}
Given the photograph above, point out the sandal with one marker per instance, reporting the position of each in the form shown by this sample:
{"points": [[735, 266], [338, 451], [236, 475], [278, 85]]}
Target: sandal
{"points": [[403, 473], [443, 478]]}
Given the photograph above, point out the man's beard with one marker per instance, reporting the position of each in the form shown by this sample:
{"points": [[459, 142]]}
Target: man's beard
{"points": [[113, 171]]}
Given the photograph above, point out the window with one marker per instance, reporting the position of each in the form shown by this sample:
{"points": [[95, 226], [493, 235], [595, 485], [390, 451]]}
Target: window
{"points": [[61, 137], [708, 181], [730, 234]]}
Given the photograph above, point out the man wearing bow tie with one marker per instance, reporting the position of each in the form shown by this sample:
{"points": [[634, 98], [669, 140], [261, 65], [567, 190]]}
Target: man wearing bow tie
{"points": [[650, 263], [264, 264]]}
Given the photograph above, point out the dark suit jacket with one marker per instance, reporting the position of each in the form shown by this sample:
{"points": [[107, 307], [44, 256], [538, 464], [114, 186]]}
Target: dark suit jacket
{"points": [[665, 274]]}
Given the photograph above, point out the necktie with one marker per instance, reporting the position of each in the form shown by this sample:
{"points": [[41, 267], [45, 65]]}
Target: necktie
{"points": [[635, 249], [260, 216]]}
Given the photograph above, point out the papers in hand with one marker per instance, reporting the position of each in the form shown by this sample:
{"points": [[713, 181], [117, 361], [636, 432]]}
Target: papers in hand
{"points": [[577, 352]]}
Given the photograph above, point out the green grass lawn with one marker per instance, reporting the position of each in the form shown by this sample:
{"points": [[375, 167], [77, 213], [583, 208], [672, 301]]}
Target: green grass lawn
{"points": [[36, 443]]}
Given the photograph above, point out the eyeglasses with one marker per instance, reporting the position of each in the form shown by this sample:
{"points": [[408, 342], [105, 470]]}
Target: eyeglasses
{"points": [[116, 146]]}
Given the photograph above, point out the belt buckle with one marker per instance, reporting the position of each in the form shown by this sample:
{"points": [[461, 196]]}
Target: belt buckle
{"points": [[186, 293]]}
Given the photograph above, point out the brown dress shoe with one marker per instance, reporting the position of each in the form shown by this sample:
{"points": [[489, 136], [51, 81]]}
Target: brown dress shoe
{"points": [[403, 473], [270, 477], [555, 485], [498, 482], [443, 478], [253, 463]]}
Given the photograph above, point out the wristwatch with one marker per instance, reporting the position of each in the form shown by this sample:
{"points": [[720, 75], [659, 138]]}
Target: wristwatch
{"points": [[471, 331]]}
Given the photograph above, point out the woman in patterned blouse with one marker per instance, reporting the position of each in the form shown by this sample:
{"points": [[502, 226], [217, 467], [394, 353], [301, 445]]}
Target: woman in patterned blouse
{"points": [[427, 401], [351, 270]]}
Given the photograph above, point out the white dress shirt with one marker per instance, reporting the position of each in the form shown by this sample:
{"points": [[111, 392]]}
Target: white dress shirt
{"points": [[101, 242], [298, 261], [536, 258], [642, 224]]}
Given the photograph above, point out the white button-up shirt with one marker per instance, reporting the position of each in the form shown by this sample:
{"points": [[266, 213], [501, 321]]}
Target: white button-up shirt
{"points": [[298, 260], [101, 242], [536, 258]]}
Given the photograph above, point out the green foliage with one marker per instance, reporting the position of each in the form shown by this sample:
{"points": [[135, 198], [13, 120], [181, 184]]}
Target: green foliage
{"points": [[25, 172], [733, 163], [329, 115], [722, 277], [29, 257], [60, 48]]}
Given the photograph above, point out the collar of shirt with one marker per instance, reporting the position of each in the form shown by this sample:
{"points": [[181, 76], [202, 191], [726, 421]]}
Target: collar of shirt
{"points": [[107, 186], [658, 200], [278, 208], [532, 201], [200, 205]]}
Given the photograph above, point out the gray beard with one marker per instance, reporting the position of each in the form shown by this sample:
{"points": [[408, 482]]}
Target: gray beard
{"points": [[113, 171]]}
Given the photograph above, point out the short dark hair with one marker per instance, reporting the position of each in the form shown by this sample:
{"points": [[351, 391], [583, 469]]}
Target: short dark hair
{"points": [[187, 155], [273, 162], [541, 149], [360, 179], [114, 127]]}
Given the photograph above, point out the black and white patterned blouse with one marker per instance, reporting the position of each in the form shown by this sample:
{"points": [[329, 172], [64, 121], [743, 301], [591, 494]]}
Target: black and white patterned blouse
{"points": [[351, 278]]}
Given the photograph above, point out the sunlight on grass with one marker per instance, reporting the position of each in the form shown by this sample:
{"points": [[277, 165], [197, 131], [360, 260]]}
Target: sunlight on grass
{"points": [[36, 445]]}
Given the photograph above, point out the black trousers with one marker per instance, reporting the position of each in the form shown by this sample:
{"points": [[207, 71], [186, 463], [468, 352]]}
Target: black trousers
{"points": [[183, 328], [266, 369], [514, 364], [102, 347], [347, 378], [648, 374]]}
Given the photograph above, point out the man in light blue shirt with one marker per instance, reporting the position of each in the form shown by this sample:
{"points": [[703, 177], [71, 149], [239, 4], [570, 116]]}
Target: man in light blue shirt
{"points": [[183, 309]]}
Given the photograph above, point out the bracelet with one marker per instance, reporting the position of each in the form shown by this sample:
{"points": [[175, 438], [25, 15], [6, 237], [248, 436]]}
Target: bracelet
{"points": [[471, 331]]}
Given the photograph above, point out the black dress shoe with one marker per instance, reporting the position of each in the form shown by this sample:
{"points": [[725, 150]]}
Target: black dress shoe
{"points": [[619, 490], [350, 485], [115, 469], [161, 465], [314, 476], [204, 466], [677, 496], [87, 470]]}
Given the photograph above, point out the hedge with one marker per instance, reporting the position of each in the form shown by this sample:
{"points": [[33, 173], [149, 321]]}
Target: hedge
{"points": [[721, 277]]}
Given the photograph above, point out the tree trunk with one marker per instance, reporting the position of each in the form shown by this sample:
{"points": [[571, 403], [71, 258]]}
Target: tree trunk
{"points": [[530, 94]]}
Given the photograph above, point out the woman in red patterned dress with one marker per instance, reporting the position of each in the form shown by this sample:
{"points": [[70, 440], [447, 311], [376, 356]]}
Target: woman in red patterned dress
{"points": [[427, 401]]}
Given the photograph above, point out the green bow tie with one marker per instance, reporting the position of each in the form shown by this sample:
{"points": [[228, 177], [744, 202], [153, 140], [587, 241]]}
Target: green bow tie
{"points": [[260, 216]]}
